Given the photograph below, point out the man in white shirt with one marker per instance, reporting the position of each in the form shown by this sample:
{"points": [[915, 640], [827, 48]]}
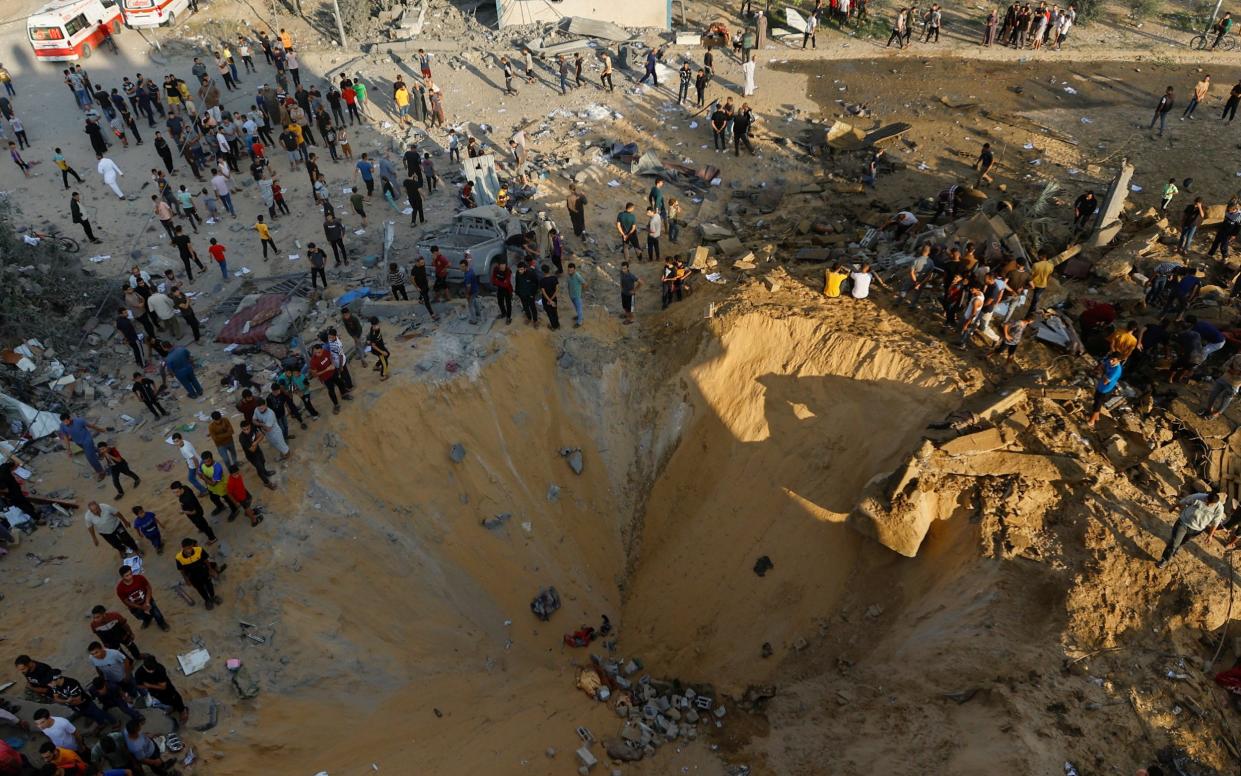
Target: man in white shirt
{"points": [[110, 172], [861, 281], [59, 731], [113, 666], [104, 520], [1201, 512], [192, 461], [654, 230], [265, 419], [165, 311]]}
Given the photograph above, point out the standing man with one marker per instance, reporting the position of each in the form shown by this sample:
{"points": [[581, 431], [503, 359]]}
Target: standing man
{"points": [[267, 422], [113, 630], [78, 431], [1230, 107], [374, 339], [250, 438], [80, 217], [984, 165], [66, 170], [629, 284], [321, 367], [424, 286], [527, 291], [576, 284], [654, 230], [108, 170], [627, 228], [192, 508], [472, 289], [196, 569], [502, 282], [192, 462], [508, 76], [318, 263], [575, 203], [221, 432], [548, 287], [135, 592], [104, 520], [334, 231], [1108, 373], [1161, 111], [1200, 94]]}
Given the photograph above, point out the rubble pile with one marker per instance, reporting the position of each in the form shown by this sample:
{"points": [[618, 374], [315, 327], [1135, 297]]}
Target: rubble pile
{"points": [[654, 712]]}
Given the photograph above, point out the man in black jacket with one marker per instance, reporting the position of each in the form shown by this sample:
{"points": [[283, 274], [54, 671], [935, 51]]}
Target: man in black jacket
{"points": [[335, 233], [79, 217], [126, 327], [527, 292]]}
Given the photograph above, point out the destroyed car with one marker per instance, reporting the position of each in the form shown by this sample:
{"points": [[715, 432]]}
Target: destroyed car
{"points": [[484, 231]]}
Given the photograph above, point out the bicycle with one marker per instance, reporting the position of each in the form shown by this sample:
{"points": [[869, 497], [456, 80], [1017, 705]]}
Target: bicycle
{"points": [[1202, 42], [63, 243]]}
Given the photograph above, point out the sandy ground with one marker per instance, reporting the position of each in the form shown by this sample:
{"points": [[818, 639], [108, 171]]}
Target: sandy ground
{"points": [[399, 631]]}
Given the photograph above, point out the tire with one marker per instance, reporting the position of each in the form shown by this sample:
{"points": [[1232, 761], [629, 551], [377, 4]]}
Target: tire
{"points": [[172, 19], [1198, 43], [68, 244], [86, 51]]}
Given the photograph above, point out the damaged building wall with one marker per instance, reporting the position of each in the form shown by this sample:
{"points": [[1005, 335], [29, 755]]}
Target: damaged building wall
{"points": [[639, 13]]}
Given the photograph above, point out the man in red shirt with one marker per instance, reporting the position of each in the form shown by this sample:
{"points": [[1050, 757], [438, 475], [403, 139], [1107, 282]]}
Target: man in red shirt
{"points": [[217, 252], [350, 96], [439, 262], [113, 630], [135, 592], [502, 282], [322, 368], [237, 492]]}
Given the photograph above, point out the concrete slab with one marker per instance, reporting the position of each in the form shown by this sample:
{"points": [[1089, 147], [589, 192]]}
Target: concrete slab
{"points": [[972, 444]]}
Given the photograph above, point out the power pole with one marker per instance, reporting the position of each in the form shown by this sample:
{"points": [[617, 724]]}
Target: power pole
{"points": [[340, 26]]}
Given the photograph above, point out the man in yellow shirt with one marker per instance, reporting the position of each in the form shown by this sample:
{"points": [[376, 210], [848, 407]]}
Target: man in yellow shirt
{"points": [[265, 237], [402, 103], [833, 280], [1040, 273], [1124, 341]]}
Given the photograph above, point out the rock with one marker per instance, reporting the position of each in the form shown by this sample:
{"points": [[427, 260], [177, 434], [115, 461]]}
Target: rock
{"points": [[551, 752], [457, 453], [712, 232], [553, 492], [720, 711], [873, 611], [800, 644], [565, 361], [574, 457], [625, 751], [691, 716], [1115, 265]]}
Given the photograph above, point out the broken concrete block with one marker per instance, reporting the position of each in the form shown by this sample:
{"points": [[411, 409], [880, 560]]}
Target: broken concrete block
{"points": [[701, 254], [586, 758], [730, 246], [712, 232], [972, 444]]}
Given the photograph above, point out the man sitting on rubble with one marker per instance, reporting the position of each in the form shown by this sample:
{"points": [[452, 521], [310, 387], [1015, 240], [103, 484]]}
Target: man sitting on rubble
{"points": [[1201, 512]]}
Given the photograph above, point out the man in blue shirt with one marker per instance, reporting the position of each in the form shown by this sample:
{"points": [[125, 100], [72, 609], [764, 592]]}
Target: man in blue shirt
{"points": [[1109, 377], [179, 362], [1212, 338], [472, 289], [367, 172], [78, 431]]}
